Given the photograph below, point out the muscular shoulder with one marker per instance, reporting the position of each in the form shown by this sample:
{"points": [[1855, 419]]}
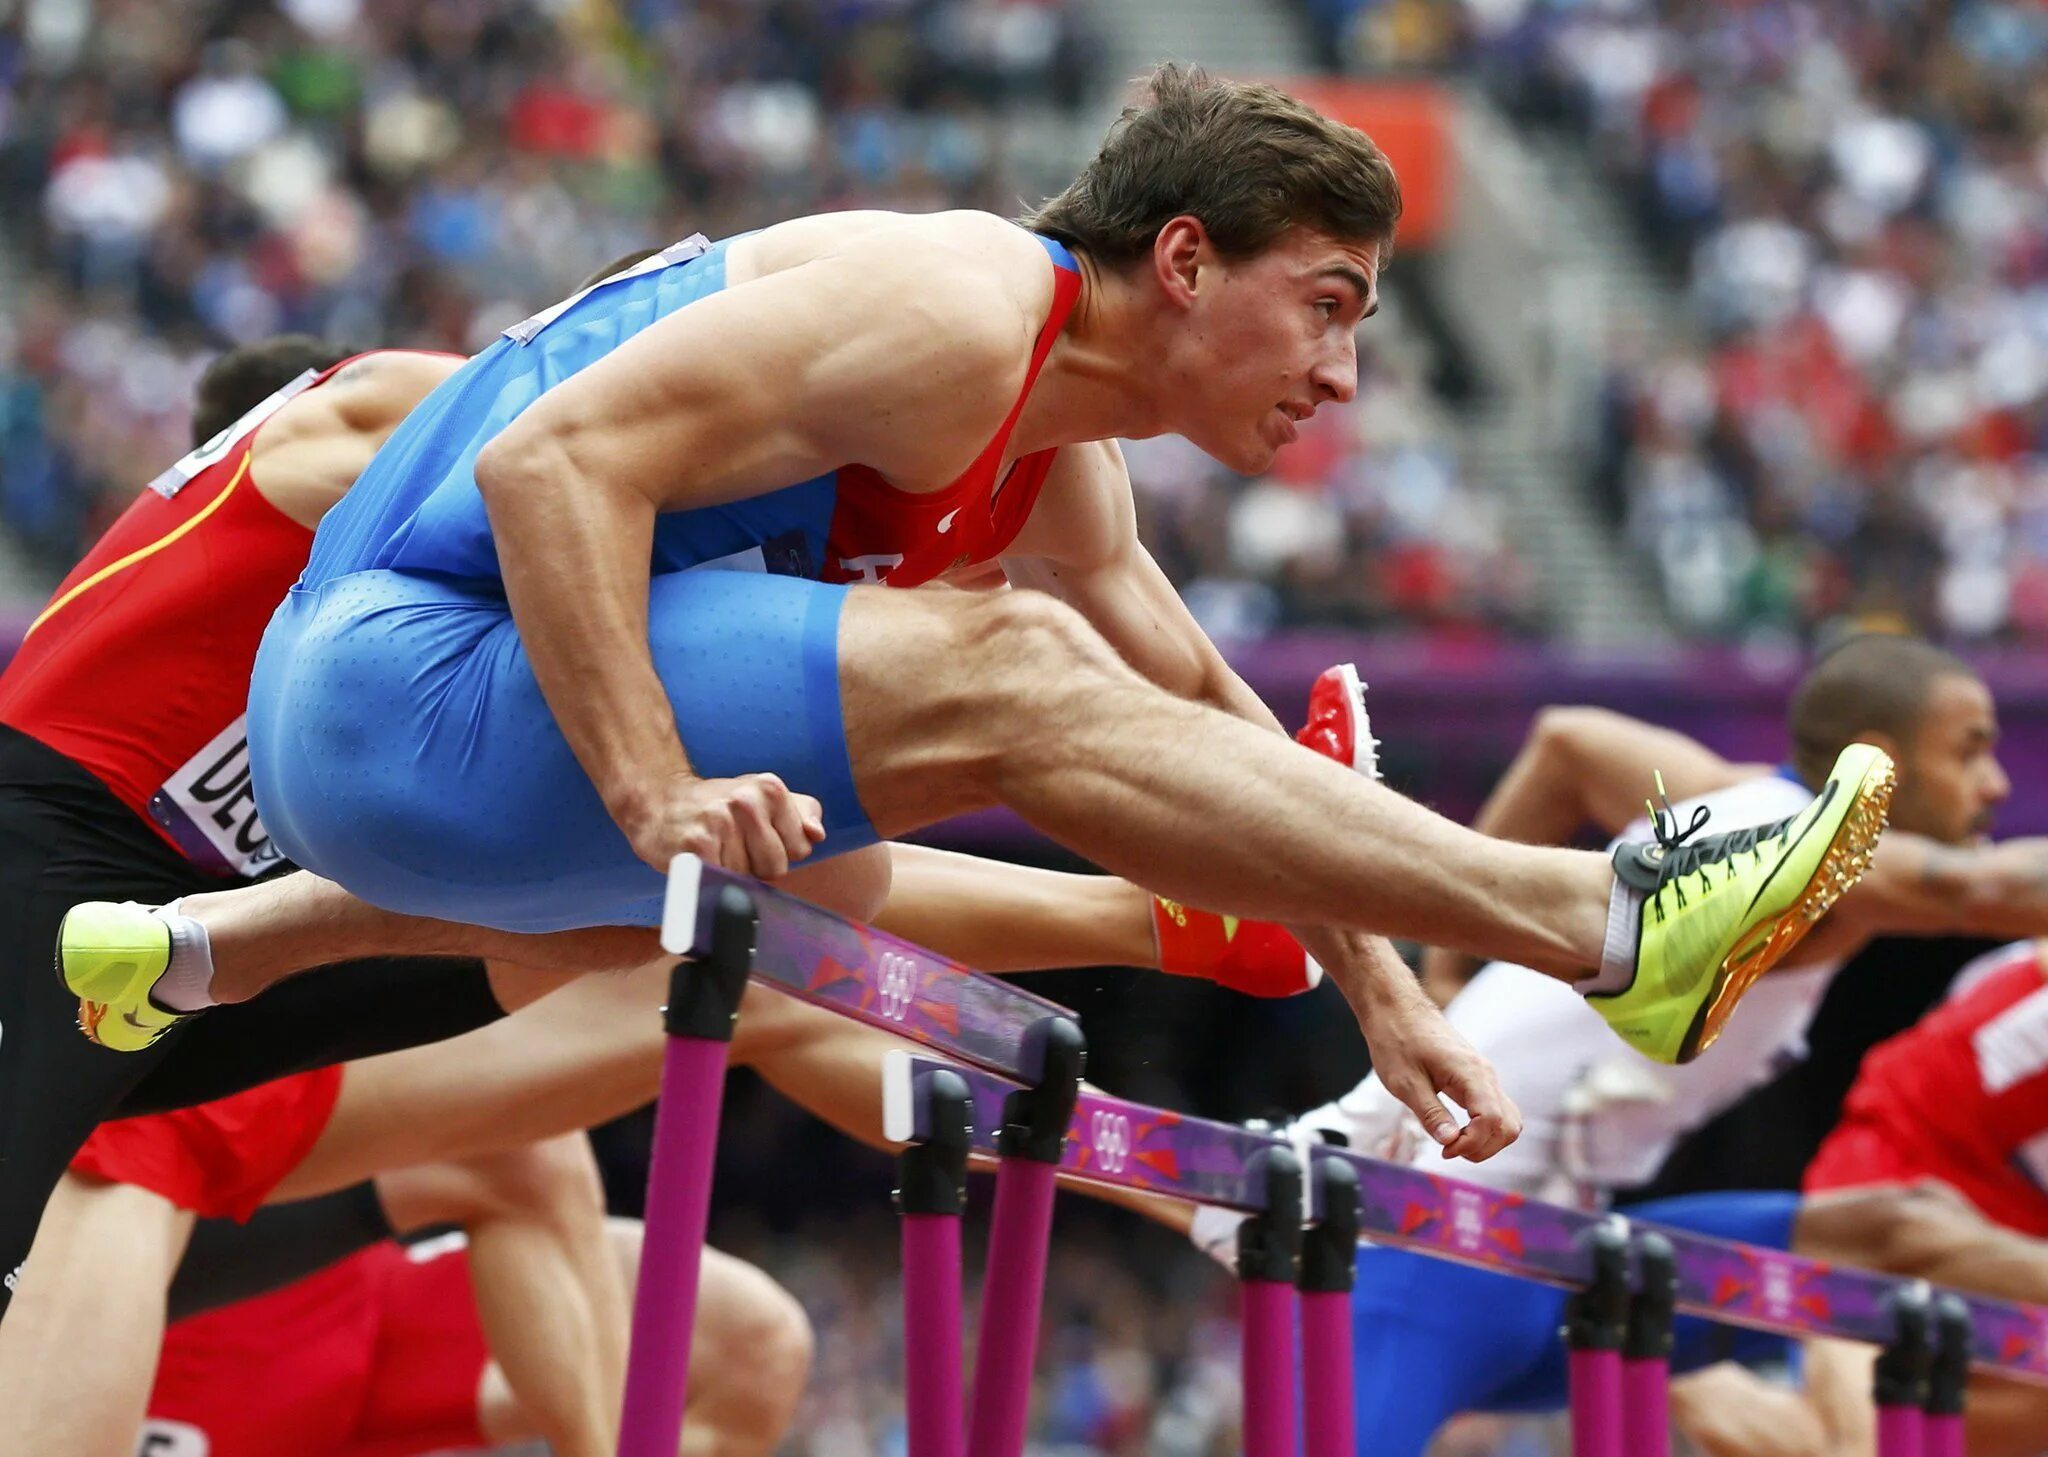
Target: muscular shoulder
{"points": [[313, 450], [921, 322], [378, 390]]}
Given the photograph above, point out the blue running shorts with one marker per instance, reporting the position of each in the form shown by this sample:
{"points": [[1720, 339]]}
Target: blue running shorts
{"points": [[400, 746], [1434, 1339]]}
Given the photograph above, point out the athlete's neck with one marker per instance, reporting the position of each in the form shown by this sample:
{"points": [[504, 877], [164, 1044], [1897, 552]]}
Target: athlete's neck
{"points": [[1101, 381]]}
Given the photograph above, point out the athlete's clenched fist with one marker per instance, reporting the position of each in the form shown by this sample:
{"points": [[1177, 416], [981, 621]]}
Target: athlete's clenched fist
{"points": [[754, 824]]}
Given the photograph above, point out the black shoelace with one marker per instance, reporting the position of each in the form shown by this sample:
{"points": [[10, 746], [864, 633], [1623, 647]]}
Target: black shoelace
{"points": [[1684, 855]]}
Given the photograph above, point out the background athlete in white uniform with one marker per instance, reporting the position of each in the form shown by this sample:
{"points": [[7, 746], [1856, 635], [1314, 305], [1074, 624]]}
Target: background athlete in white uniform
{"points": [[1435, 1339]]}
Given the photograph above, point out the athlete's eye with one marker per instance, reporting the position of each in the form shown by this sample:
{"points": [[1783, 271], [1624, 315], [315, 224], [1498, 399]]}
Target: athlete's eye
{"points": [[1327, 307]]}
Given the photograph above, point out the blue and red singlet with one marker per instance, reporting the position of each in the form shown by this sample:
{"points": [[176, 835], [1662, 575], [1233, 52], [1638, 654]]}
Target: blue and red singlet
{"points": [[399, 742]]}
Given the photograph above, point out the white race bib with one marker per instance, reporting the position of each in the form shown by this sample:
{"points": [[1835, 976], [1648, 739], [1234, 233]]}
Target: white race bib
{"points": [[208, 807]]}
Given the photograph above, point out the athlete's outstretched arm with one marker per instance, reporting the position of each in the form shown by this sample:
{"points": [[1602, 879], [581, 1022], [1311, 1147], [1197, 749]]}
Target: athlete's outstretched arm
{"points": [[1915, 884], [899, 354], [1082, 546]]}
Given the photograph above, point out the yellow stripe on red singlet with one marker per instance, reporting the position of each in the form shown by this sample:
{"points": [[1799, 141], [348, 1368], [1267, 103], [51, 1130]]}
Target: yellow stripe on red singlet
{"points": [[142, 552]]}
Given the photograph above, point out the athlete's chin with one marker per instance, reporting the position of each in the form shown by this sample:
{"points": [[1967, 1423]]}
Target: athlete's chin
{"points": [[1252, 457]]}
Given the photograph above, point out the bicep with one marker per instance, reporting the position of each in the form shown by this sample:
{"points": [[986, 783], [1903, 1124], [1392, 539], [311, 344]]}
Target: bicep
{"points": [[776, 380]]}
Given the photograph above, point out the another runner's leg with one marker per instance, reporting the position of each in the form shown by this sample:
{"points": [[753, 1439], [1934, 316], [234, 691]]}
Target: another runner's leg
{"points": [[80, 1341]]}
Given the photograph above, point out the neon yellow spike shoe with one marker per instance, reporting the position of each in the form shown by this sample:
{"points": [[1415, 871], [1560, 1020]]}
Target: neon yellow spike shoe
{"points": [[111, 954], [1722, 910]]}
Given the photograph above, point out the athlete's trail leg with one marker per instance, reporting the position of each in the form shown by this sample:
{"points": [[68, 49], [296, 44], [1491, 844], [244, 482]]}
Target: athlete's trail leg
{"points": [[1017, 701]]}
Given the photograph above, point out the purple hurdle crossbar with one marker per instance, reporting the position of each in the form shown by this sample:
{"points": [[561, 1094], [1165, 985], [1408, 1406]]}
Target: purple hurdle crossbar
{"points": [[931, 1190], [1646, 1350], [703, 1001], [1033, 1137], [1268, 1264], [1900, 1383], [1329, 1268], [1595, 1327]]}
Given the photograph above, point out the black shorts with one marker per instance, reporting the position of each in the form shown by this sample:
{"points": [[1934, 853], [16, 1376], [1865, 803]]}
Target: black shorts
{"points": [[65, 838]]}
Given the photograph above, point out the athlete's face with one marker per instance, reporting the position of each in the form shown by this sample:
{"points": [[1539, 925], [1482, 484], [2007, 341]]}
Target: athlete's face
{"points": [[1267, 340], [1950, 780]]}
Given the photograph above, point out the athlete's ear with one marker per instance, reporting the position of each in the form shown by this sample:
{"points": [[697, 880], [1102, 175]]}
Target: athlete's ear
{"points": [[1178, 254]]}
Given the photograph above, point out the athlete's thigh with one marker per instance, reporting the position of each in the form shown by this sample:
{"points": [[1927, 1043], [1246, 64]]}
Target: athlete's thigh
{"points": [[579, 1057], [94, 1283]]}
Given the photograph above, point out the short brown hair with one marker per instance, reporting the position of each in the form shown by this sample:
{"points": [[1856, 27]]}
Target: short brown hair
{"points": [[1248, 160], [247, 375], [1872, 683]]}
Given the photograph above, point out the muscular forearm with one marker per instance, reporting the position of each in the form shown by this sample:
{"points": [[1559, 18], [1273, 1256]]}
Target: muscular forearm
{"points": [[1918, 885], [574, 555]]}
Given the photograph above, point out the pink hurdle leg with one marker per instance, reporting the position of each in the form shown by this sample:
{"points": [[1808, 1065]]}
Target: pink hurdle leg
{"points": [[1013, 1284], [1948, 1378], [703, 1002], [1268, 1254], [930, 1193], [1596, 1324], [1646, 1351], [1271, 1414], [1329, 1264], [1900, 1384]]}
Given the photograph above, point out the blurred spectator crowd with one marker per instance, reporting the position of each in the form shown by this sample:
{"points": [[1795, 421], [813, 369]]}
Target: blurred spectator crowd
{"points": [[179, 178], [1854, 196]]}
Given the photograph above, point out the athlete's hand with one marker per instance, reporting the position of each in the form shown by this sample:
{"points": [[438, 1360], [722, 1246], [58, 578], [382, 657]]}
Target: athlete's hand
{"points": [[1417, 1054], [1422, 1059], [754, 824]]}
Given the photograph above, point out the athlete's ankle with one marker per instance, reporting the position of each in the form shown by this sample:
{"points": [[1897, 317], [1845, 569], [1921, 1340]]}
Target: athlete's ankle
{"points": [[1618, 950], [187, 985]]}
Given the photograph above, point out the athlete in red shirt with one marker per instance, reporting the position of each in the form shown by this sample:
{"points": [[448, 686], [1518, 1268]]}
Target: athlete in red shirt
{"points": [[1960, 1099], [1936, 1170]]}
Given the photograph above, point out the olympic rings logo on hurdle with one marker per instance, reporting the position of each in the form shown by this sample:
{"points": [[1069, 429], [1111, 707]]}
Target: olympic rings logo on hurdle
{"points": [[898, 985], [1110, 1135]]}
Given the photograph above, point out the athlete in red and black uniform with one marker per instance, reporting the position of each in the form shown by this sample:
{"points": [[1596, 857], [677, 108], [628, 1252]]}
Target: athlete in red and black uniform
{"points": [[123, 773], [1959, 1099]]}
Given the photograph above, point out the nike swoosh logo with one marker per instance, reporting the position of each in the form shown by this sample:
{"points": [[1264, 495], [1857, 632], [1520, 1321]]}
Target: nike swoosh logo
{"points": [[133, 1021], [1826, 797], [946, 521]]}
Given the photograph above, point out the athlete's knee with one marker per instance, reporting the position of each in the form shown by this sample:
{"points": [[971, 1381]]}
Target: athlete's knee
{"points": [[1899, 1228], [744, 1316], [1035, 637], [555, 1179]]}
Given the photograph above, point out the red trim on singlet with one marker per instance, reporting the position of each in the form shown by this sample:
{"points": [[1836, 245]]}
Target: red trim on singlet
{"points": [[986, 510]]}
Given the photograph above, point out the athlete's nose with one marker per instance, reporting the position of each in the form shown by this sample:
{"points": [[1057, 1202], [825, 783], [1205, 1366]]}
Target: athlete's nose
{"points": [[1336, 377]]}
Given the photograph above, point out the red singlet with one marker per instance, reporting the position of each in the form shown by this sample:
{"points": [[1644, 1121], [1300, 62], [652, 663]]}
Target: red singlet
{"points": [[142, 677], [1962, 1097]]}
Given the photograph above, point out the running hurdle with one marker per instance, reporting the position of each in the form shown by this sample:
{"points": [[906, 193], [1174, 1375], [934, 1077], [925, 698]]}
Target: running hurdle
{"points": [[1008, 1084]]}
